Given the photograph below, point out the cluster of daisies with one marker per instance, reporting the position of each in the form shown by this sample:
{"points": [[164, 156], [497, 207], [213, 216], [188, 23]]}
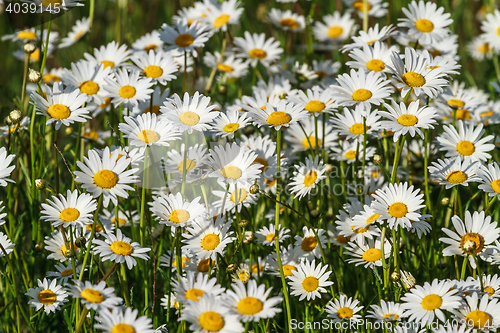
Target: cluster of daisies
{"points": [[239, 186]]}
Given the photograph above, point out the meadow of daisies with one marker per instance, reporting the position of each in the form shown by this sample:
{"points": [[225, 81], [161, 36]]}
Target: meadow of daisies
{"points": [[250, 166]]}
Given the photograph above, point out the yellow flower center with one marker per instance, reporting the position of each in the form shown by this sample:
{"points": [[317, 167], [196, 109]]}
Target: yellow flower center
{"points": [[483, 48], [92, 296], [189, 118], [315, 106], [262, 162], [35, 56], [486, 114], [480, 319], [156, 109], [372, 218], [310, 178], [335, 31], [495, 185], [249, 306], [432, 302], [121, 248], [127, 92], [474, 237], [289, 23], [203, 265], [407, 120], [69, 214], [239, 195], [153, 71], [184, 40], [98, 228], [287, 270], [194, 293], [361, 95], [47, 297], [231, 172], [310, 284], [462, 114], [278, 118], [391, 316], [257, 53], [190, 164], [25, 34], [107, 101], [489, 290], [342, 239], [311, 142], [375, 65], [225, 68], [89, 87], [64, 249], [456, 103], [179, 216], [466, 148], [344, 312], [122, 328], [148, 136], [456, 177], [59, 111], [221, 20], [47, 78], [108, 63], [372, 255], [270, 237], [67, 272], [359, 5], [413, 79], [150, 47], [350, 155], [309, 243], [105, 179], [424, 25], [398, 210], [231, 127], [210, 242], [211, 321], [357, 129]]}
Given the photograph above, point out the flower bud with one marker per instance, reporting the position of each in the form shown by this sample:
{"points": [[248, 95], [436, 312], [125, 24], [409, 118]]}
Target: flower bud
{"points": [[243, 223], [283, 95], [231, 267], [68, 130], [80, 242], [40, 184], [29, 48], [247, 237], [315, 214], [254, 189], [15, 116], [395, 276], [39, 247], [34, 76], [377, 159], [445, 201], [222, 90]]}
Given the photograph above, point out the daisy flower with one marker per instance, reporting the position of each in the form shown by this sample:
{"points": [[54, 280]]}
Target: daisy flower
{"points": [[286, 20], [6, 244], [175, 211], [190, 114], [52, 76], [490, 179], [231, 66], [307, 176], [423, 303], [473, 236], [200, 265], [128, 89], [348, 151], [336, 28], [360, 88], [226, 124], [57, 246], [352, 123], [196, 160], [398, 204], [307, 246], [120, 249], [184, 37], [411, 119], [372, 57], [62, 106], [70, 211], [309, 280], [416, 73], [343, 308], [206, 239], [48, 295], [302, 136], [207, 315], [119, 320], [426, 22], [256, 48], [220, 16], [315, 100], [354, 232], [145, 107], [367, 252], [375, 8], [386, 312], [148, 130], [156, 65], [148, 42], [251, 302], [80, 28], [90, 78], [64, 272], [95, 297], [5, 169], [374, 34], [451, 172], [233, 164], [267, 235], [479, 313], [111, 56], [169, 260], [235, 198], [490, 27], [283, 115], [466, 142], [194, 287], [106, 176]]}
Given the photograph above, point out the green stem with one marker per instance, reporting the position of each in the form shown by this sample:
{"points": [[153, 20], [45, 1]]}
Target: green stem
{"points": [[397, 156], [92, 233]]}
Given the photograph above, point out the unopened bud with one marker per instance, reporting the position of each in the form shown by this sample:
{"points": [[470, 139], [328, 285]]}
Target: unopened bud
{"points": [[283, 95], [329, 168], [15, 116], [40, 184], [469, 246], [68, 130], [80, 241], [254, 189], [222, 90], [247, 237], [395, 276], [377, 159], [8, 121], [445, 201], [29, 48], [39, 247], [230, 267], [67, 254], [243, 223], [315, 214], [34, 76]]}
